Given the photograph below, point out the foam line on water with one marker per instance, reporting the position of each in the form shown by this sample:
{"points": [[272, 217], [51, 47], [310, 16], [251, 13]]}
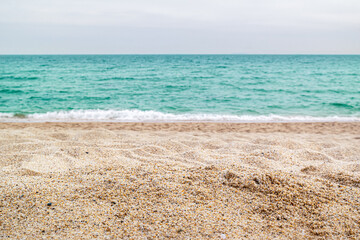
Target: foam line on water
{"points": [[154, 116]]}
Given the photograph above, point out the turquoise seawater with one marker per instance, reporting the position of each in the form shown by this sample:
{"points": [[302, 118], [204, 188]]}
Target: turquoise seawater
{"points": [[179, 87]]}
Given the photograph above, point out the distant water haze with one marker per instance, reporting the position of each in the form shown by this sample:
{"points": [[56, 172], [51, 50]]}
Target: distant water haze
{"points": [[180, 87]]}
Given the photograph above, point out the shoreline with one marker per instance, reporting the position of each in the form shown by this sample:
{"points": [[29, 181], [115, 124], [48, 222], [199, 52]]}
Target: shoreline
{"points": [[290, 127], [20, 120]]}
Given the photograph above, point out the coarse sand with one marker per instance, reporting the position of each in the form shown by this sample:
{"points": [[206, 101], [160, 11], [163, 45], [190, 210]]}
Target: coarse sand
{"points": [[180, 180]]}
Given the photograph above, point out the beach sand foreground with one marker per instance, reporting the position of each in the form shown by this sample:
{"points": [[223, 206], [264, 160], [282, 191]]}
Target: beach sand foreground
{"points": [[180, 180]]}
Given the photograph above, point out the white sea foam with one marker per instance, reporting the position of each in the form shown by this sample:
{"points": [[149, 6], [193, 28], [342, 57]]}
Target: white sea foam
{"points": [[153, 116], [6, 115]]}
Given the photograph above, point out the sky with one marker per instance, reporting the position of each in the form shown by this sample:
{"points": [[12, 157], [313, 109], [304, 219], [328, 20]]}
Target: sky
{"points": [[179, 27]]}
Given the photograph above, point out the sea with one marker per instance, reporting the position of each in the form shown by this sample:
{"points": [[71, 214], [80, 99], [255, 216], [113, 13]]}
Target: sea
{"points": [[158, 88]]}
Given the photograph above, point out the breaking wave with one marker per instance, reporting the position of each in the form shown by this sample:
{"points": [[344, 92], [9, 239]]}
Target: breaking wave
{"points": [[154, 116]]}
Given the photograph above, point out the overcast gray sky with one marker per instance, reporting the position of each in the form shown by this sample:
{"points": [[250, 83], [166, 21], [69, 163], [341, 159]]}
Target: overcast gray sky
{"points": [[179, 26]]}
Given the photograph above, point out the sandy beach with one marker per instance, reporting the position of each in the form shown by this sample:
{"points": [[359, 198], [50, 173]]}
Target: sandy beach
{"points": [[180, 180]]}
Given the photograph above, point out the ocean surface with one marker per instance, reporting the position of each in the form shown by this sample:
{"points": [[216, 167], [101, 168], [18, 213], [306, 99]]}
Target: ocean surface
{"points": [[238, 88]]}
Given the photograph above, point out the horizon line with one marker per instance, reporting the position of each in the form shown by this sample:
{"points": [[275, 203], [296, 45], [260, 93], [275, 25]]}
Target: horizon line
{"points": [[89, 54]]}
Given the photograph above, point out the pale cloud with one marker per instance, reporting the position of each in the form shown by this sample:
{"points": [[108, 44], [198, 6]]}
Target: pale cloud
{"points": [[187, 26]]}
